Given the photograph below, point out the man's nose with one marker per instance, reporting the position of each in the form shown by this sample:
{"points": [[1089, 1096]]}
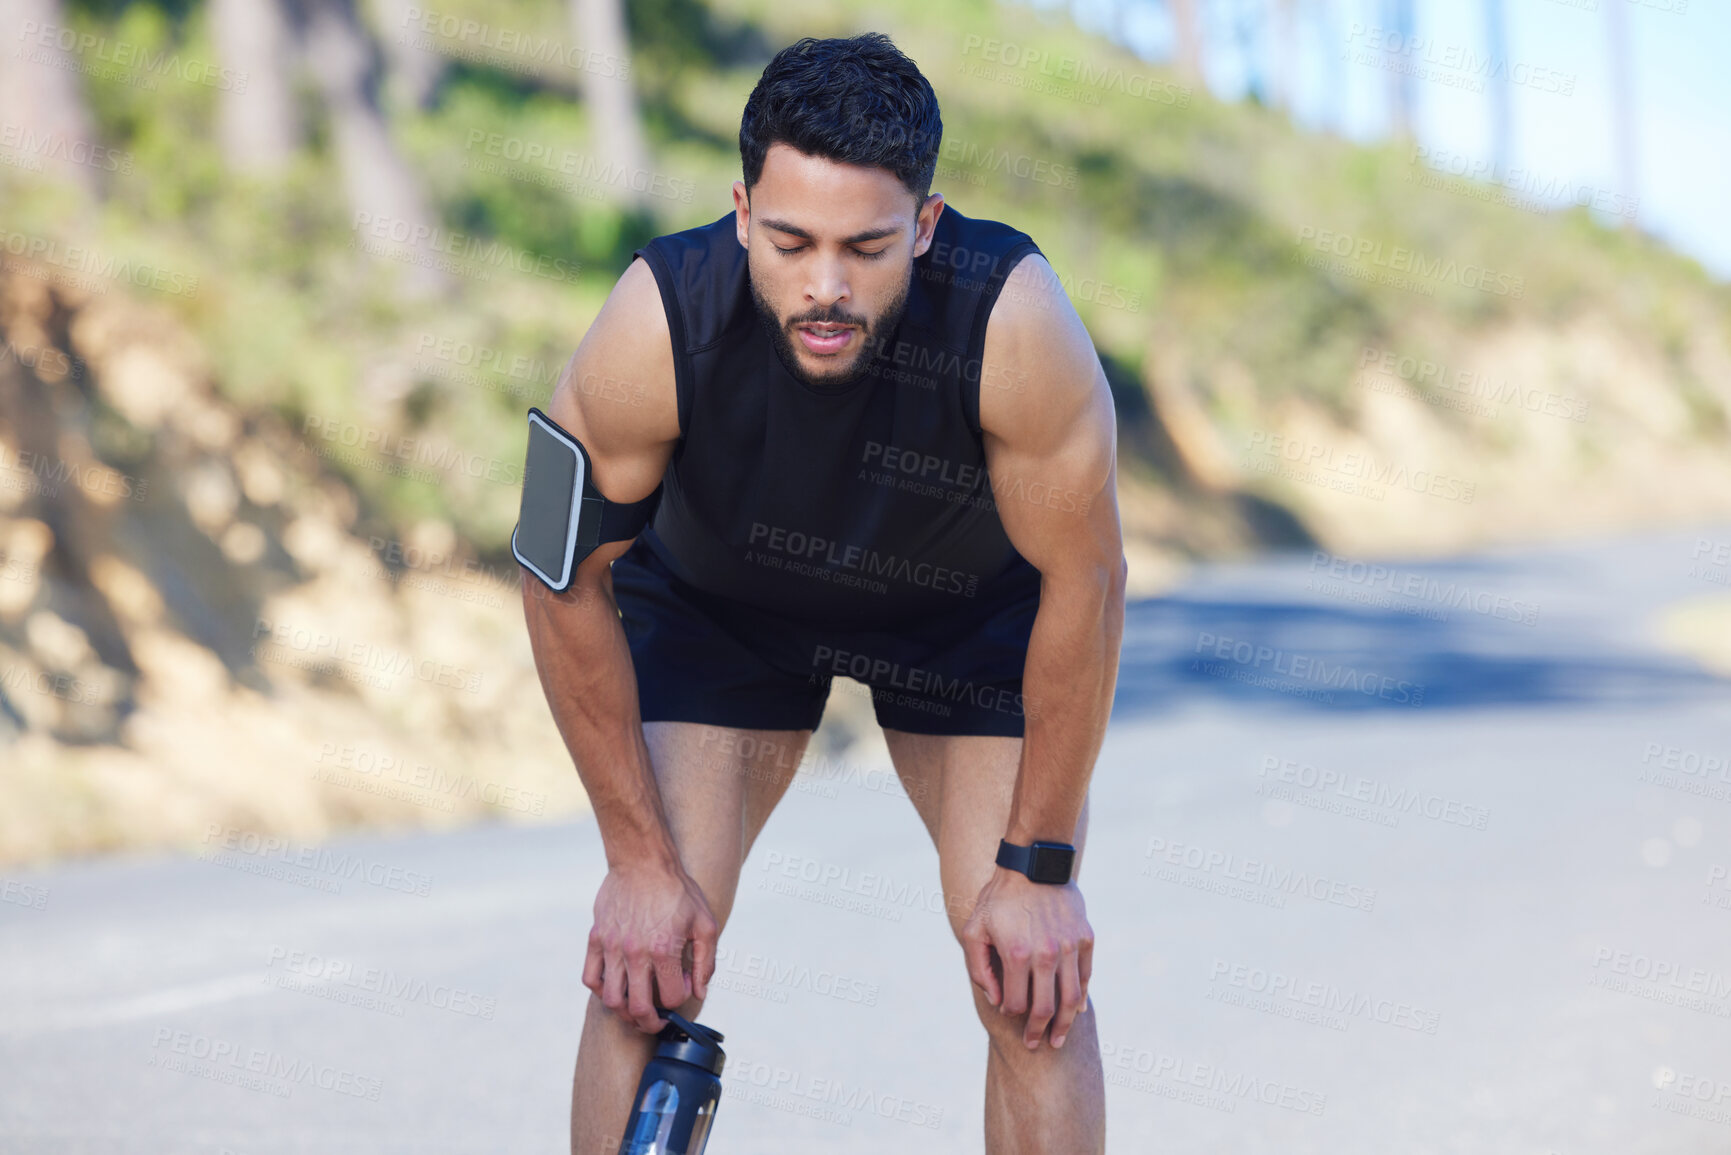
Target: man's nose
{"points": [[828, 285]]}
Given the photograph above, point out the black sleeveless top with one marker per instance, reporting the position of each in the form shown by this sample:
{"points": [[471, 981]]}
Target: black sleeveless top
{"points": [[864, 506]]}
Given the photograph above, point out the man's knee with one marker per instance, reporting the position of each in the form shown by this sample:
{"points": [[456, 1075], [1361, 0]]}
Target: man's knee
{"points": [[623, 1028], [1006, 1031]]}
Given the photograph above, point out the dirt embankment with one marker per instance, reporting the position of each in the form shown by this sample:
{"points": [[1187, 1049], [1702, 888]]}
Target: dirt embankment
{"points": [[197, 637], [1529, 433], [192, 637]]}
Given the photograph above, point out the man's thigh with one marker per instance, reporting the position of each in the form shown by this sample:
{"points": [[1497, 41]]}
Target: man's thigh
{"points": [[719, 785], [961, 785]]}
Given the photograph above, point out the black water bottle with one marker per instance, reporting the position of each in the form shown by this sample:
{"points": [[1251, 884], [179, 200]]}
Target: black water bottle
{"points": [[679, 1091]]}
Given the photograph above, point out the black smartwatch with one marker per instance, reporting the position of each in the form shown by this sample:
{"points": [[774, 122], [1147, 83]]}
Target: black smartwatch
{"points": [[1047, 862]]}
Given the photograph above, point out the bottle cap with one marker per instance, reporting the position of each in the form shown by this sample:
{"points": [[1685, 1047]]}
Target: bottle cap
{"points": [[687, 1042]]}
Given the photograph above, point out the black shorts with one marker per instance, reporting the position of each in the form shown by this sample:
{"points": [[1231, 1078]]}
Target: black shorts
{"points": [[704, 658]]}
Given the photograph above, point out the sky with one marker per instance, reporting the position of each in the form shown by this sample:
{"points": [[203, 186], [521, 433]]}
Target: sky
{"points": [[1680, 79]]}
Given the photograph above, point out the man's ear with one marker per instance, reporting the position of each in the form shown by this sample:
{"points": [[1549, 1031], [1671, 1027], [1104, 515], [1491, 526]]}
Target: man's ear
{"points": [[741, 212], [927, 222]]}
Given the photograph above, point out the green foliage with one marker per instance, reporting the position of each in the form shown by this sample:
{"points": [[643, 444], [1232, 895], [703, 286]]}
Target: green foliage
{"points": [[516, 163], [1174, 219]]}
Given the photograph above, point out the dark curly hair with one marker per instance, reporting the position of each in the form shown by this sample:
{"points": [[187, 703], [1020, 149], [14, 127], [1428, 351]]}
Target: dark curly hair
{"points": [[857, 100]]}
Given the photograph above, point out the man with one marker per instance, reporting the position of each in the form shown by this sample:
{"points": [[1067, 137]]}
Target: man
{"points": [[886, 449]]}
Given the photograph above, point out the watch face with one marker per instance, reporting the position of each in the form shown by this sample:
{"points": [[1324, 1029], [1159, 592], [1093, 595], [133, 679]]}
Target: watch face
{"points": [[1050, 862]]}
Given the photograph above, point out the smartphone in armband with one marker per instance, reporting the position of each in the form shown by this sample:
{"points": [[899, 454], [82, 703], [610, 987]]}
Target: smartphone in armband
{"points": [[563, 517]]}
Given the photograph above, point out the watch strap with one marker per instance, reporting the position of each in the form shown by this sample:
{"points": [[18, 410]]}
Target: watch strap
{"points": [[1013, 857], [1038, 860]]}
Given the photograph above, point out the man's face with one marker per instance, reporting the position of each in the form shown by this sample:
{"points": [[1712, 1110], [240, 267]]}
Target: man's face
{"points": [[830, 248]]}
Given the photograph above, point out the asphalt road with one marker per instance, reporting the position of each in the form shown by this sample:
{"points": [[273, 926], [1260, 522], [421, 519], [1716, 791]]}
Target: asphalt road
{"points": [[1376, 866]]}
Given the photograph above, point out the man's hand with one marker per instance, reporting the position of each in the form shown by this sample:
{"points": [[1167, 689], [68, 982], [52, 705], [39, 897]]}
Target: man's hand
{"points": [[644, 916], [1043, 945]]}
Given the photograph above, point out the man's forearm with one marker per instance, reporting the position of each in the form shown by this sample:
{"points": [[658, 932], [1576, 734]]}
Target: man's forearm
{"points": [[1067, 684], [586, 674]]}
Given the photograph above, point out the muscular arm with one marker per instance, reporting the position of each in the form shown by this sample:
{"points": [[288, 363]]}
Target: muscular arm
{"points": [[645, 908], [1050, 439]]}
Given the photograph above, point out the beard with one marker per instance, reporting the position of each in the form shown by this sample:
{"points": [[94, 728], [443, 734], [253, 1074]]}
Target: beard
{"points": [[874, 335]]}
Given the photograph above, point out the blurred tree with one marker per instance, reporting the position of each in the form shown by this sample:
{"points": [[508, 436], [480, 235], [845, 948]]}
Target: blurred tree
{"points": [[1187, 29], [615, 127], [1398, 45], [1502, 119], [1245, 19], [1622, 104], [40, 95], [257, 122], [414, 70], [1333, 64], [1285, 53], [376, 179]]}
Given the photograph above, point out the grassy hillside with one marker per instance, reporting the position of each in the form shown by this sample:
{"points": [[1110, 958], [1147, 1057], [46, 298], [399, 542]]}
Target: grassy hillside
{"points": [[1198, 240], [1309, 341]]}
